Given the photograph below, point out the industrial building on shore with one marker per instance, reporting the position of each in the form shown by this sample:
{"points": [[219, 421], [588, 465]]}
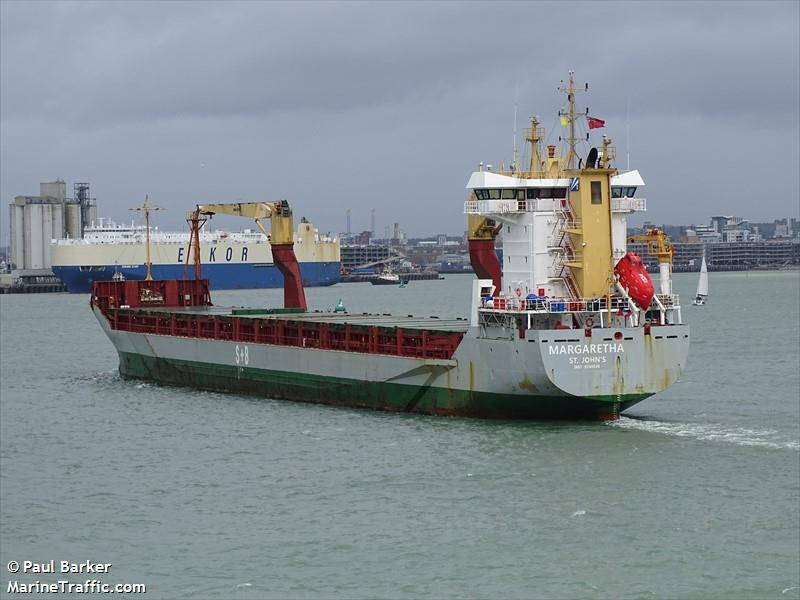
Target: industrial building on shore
{"points": [[732, 243], [36, 221], [729, 256]]}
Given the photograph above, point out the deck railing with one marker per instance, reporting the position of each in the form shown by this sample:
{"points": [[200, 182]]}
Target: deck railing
{"points": [[667, 301], [561, 305], [482, 207], [511, 205], [628, 204]]}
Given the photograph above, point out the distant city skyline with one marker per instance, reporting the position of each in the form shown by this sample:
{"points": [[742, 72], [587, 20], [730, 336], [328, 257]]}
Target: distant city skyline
{"points": [[390, 106], [387, 231]]}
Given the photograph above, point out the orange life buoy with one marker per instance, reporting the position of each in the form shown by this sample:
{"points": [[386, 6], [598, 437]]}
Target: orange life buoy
{"points": [[589, 322], [519, 293]]}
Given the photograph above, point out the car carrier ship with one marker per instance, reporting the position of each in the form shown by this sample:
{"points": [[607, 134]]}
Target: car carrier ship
{"points": [[232, 260], [568, 326]]}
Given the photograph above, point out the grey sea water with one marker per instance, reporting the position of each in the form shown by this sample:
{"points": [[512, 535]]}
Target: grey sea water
{"points": [[694, 493]]}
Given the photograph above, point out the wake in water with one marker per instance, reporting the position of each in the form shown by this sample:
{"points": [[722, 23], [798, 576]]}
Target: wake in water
{"points": [[765, 438], [112, 376]]}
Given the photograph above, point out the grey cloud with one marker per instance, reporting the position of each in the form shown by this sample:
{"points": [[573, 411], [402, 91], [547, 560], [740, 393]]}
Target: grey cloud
{"points": [[338, 105], [177, 59]]}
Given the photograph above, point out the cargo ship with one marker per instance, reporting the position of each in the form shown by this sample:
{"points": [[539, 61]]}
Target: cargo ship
{"points": [[569, 326], [232, 260]]}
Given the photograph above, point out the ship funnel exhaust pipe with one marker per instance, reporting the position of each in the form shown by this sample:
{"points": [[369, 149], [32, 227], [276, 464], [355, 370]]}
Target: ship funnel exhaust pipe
{"points": [[294, 295]]}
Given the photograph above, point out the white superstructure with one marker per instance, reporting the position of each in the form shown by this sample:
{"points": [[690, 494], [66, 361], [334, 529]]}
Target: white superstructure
{"points": [[535, 214]]}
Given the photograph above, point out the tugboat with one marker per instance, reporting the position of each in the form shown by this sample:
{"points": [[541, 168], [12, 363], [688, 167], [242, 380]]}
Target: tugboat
{"points": [[570, 326], [389, 278]]}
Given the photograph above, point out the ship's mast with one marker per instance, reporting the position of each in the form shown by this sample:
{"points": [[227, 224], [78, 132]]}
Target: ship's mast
{"points": [[570, 115], [515, 159], [534, 137], [146, 208], [196, 222], [605, 160]]}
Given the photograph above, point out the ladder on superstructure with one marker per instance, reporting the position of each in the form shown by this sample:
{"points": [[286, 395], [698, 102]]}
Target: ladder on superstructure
{"points": [[565, 219]]}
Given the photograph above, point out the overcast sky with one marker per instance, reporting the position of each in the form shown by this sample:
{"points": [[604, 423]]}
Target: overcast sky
{"points": [[390, 106]]}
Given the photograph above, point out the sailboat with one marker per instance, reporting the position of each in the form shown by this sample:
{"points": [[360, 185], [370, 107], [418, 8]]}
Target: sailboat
{"points": [[702, 285]]}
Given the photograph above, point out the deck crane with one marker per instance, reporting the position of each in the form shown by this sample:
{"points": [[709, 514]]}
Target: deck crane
{"points": [[281, 240], [658, 245]]}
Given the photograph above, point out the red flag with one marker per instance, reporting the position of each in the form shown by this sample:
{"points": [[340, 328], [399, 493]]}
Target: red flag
{"points": [[595, 123]]}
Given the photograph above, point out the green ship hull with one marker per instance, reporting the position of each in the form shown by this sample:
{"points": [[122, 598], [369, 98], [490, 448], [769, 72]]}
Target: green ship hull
{"points": [[394, 397]]}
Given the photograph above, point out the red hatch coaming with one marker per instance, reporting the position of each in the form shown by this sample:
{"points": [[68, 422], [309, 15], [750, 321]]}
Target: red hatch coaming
{"points": [[125, 305], [163, 293]]}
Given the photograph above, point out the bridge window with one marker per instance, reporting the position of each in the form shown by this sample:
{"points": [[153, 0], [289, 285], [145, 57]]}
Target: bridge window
{"points": [[559, 192], [494, 194], [597, 194], [508, 194], [622, 192]]}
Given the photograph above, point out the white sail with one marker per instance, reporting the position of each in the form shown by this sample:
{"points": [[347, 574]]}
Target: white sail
{"points": [[702, 285]]}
